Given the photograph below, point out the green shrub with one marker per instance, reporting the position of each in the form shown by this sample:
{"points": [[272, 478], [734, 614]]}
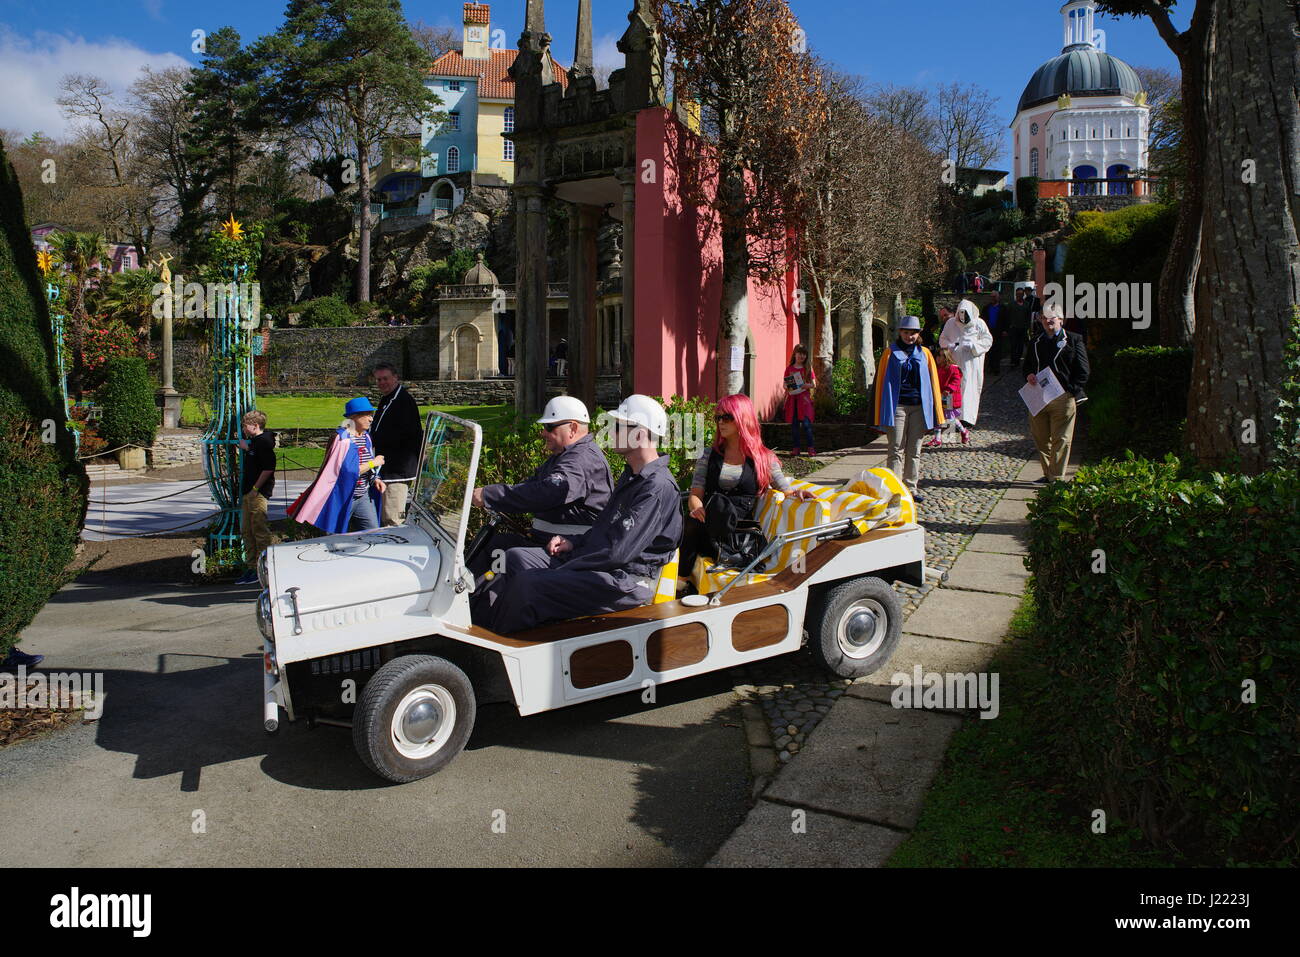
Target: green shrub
{"points": [[1139, 401], [130, 415], [1176, 664], [1286, 436], [848, 401], [367, 313], [1027, 196], [1011, 224], [325, 311], [41, 483], [1053, 213]]}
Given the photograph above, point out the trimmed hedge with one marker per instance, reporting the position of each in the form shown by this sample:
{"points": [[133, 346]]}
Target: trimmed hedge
{"points": [[1156, 654], [130, 415], [325, 311], [42, 485], [1139, 402]]}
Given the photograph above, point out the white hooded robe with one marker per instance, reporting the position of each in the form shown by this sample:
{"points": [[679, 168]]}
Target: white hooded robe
{"points": [[968, 343]]}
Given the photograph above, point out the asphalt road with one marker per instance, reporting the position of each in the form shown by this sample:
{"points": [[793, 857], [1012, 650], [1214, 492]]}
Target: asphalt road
{"points": [[178, 771]]}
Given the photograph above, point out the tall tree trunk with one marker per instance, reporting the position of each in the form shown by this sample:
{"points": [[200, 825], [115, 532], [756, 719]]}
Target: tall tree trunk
{"points": [[363, 254], [823, 340], [1177, 293], [1250, 280], [866, 371], [733, 325]]}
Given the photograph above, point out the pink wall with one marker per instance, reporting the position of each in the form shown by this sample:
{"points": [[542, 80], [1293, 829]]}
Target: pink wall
{"points": [[678, 287]]}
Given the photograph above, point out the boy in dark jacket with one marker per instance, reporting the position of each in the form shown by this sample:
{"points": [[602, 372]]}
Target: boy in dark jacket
{"points": [[258, 484]]}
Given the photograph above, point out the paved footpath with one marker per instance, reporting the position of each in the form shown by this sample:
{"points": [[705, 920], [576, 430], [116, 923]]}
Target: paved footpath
{"points": [[849, 794]]}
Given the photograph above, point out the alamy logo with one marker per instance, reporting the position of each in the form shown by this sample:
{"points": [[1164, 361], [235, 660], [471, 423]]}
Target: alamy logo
{"points": [[1107, 300], [75, 909], [53, 689], [948, 692]]}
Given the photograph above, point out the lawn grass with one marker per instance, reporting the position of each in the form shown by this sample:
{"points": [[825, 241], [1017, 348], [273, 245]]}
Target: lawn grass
{"points": [[996, 802], [325, 412]]}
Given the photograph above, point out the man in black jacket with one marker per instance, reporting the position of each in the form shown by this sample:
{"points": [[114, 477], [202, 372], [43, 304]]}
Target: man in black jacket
{"points": [[397, 434], [1065, 355]]}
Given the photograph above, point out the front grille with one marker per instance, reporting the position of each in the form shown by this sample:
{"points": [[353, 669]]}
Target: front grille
{"points": [[367, 660]]}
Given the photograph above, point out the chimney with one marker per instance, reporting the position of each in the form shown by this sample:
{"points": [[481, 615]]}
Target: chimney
{"points": [[477, 31]]}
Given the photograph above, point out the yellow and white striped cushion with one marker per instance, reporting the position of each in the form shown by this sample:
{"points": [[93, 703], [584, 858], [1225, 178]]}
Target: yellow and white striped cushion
{"points": [[666, 590], [776, 514]]}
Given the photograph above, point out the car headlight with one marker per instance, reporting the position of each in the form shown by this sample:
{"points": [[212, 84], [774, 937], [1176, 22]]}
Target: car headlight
{"points": [[261, 570], [264, 624]]}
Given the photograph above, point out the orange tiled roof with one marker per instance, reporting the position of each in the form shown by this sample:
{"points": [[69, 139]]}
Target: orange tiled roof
{"points": [[493, 74], [478, 13]]}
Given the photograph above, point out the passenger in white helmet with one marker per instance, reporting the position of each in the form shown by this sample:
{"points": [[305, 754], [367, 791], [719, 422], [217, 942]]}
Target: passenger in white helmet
{"points": [[616, 564]]}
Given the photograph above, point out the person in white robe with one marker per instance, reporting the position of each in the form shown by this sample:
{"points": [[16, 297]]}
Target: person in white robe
{"points": [[968, 337]]}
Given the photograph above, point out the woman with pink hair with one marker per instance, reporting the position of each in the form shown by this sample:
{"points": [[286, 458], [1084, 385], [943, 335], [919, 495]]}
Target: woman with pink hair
{"points": [[738, 468]]}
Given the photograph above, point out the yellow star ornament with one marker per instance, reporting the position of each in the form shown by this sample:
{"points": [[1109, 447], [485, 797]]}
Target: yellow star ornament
{"points": [[232, 228], [45, 261]]}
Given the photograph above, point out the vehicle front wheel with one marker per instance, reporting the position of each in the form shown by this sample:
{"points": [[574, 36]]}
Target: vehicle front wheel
{"points": [[413, 717], [859, 625]]}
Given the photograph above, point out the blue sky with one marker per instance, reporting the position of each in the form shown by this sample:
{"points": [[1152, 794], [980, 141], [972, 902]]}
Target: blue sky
{"points": [[995, 43]]}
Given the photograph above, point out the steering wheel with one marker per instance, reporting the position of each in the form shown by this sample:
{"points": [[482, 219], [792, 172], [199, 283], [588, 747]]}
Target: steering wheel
{"points": [[497, 521]]}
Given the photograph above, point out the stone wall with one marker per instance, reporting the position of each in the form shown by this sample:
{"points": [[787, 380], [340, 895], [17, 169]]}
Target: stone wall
{"points": [[173, 447]]}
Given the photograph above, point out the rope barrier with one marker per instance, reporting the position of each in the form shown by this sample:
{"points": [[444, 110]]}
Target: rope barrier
{"points": [[154, 531], [143, 501]]}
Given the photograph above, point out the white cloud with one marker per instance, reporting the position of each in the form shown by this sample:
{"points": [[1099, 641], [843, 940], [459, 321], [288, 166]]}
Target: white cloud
{"points": [[605, 52], [31, 68]]}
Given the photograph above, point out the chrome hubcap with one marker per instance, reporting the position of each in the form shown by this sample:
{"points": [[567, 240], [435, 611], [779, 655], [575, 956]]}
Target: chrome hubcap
{"points": [[423, 721], [862, 629]]}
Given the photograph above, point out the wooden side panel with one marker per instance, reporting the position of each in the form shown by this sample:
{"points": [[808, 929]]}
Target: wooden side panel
{"points": [[760, 627], [677, 647], [600, 664]]}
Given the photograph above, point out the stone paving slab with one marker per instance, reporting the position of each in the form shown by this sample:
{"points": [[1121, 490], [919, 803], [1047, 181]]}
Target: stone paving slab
{"points": [[988, 571], [964, 615], [1006, 538], [868, 760], [1009, 510], [1021, 491], [941, 655], [768, 839]]}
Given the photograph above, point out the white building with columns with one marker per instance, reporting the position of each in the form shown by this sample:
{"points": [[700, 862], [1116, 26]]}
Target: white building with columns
{"points": [[1083, 117]]}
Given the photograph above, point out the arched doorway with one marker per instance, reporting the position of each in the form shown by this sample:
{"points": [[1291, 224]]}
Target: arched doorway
{"points": [[466, 341], [1119, 171], [443, 196], [1085, 181]]}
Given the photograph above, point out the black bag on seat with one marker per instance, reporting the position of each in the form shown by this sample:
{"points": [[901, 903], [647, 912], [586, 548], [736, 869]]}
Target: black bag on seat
{"points": [[736, 536]]}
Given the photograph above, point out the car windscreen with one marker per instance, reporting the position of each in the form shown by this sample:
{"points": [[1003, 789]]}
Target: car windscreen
{"points": [[447, 465]]}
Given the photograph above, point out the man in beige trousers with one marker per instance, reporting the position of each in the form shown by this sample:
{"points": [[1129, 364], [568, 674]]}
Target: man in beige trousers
{"points": [[1066, 355]]}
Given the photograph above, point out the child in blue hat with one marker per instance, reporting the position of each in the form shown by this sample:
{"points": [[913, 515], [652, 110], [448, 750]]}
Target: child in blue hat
{"points": [[347, 491]]}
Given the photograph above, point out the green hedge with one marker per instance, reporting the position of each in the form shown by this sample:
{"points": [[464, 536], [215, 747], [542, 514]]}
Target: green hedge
{"points": [[130, 415], [326, 311], [1138, 402], [1150, 655], [42, 485]]}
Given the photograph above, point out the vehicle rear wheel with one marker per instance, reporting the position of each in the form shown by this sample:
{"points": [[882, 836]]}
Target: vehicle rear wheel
{"points": [[859, 626], [415, 714]]}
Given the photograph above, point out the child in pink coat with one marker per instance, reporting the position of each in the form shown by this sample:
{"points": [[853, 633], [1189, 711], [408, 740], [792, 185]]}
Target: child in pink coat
{"points": [[950, 389]]}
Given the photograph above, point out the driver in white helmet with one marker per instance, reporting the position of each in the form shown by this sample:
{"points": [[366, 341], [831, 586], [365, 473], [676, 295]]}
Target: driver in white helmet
{"points": [[564, 494], [613, 566]]}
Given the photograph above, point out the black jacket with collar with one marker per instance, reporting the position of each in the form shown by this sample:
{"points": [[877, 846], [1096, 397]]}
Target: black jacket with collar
{"points": [[1067, 357], [398, 434]]}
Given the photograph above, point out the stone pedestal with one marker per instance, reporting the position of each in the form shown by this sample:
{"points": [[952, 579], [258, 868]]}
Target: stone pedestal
{"points": [[169, 401]]}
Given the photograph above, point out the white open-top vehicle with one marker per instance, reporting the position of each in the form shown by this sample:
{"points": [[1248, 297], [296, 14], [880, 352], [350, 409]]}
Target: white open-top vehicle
{"points": [[372, 629]]}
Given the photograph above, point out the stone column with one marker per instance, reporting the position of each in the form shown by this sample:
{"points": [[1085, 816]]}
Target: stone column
{"points": [[169, 400], [530, 302], [583, 345], [628, 178]]}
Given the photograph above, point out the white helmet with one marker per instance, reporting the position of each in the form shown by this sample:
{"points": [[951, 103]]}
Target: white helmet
{"points": [[564, 408], [641, 410]]}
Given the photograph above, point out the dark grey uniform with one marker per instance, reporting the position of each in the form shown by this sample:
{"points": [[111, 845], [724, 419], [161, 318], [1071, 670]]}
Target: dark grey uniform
{"points": [[615, 565], [564, 496]]}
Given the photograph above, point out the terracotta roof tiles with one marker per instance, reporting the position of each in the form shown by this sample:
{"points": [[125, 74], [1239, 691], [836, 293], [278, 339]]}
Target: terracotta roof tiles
{"points": [[493, 73]]}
